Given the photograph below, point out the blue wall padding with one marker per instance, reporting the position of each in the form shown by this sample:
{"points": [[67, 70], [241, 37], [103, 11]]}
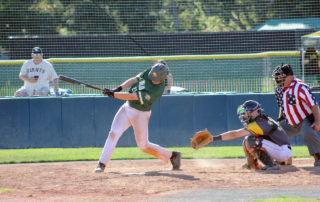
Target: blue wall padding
{"points": [[14, 123], [45, 122], [175, 114], [86, 121], [78, 122]]}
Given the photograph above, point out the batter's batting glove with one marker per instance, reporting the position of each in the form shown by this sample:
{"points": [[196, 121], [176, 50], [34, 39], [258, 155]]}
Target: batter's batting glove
{"points": [[108, 92]]}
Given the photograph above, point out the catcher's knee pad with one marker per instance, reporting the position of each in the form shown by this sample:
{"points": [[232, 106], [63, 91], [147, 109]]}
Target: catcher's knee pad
{"points": [[250, 152], [255, 142], [251, 143]]}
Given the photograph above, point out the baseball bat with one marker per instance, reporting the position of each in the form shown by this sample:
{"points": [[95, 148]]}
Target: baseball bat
{"points": [[77, 82]]}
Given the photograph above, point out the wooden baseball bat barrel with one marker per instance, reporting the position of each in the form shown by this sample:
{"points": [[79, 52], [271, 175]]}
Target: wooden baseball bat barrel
{"points": [[77, 82]]}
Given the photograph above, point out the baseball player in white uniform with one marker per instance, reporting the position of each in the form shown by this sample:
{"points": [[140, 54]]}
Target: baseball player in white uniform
{"points": [[36, 74], [146, 88]]}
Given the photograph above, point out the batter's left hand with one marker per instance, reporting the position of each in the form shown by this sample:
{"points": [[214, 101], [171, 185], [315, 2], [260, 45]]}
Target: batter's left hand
{"points": [[108, 92]]}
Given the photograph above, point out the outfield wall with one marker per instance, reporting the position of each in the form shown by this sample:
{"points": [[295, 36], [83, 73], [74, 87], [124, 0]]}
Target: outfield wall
{"points": [[84, 121]]}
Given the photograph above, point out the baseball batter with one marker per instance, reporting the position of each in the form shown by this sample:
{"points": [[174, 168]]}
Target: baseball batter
{"points": [[265, 140], [145, 89], [36, 74]]}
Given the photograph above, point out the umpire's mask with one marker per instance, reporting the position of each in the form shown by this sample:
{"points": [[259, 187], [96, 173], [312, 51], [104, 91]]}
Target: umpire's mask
{"points": [[280, 74]]}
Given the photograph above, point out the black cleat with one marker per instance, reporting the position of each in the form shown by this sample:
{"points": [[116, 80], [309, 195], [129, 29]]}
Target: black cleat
{"points": [[176, 160], [100, 168], [275, 166]]}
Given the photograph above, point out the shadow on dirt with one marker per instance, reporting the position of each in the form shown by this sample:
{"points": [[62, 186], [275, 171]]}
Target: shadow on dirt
{"points": [[159, 173], [284, 169], [180, 176], [312, 170]]}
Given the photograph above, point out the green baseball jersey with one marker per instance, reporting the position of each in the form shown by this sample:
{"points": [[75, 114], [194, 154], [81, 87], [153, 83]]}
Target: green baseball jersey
{"points": [[268, 129], [146, 91]]}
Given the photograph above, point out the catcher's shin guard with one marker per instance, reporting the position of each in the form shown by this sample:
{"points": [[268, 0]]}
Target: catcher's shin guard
{"points": [[262, 153], [252, 161], [254, 148], [265, 158]]}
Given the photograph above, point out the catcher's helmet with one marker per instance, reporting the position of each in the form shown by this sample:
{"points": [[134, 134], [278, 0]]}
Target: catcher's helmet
{"points": [[248, 106], [158, 72], [280, 74]]}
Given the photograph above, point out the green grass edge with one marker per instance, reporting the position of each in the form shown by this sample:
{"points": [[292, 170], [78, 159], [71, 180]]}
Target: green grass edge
{"points": [[37, 155]]}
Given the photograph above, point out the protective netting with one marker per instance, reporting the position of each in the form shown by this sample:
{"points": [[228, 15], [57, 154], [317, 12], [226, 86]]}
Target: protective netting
{"points": [[220, 73], [162, 28]]}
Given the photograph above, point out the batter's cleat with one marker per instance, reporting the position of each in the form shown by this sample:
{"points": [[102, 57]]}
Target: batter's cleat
{"points": [[100, 168], [287, 162], [176, 160]]}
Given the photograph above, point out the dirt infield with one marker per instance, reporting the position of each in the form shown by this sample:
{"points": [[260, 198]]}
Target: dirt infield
{"points": [[151, 180]]}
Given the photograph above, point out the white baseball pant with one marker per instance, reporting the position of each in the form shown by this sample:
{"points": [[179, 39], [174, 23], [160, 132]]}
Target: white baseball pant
{"points": [[279, 153], [126, 117]]}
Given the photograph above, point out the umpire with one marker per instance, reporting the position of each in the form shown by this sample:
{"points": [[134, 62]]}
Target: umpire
{"points": [[299, 110]]}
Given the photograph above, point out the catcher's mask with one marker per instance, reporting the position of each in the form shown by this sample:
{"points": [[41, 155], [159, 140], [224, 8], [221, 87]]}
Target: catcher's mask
{"points": [[245, 111], [280, 74], [158, 72]]}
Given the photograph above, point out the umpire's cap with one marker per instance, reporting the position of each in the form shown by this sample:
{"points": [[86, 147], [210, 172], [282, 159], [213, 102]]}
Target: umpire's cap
{"points": [[158, 72], [283, 70]]}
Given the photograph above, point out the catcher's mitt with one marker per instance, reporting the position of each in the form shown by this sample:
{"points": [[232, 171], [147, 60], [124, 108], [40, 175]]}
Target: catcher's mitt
{"points": [[200, 139]]}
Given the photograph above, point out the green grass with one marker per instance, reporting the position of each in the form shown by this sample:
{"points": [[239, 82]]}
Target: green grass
{"points": [[288, 199], [85, 154]]}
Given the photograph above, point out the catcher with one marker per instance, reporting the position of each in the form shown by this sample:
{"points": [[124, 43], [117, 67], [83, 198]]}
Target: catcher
{"points": [[265, 140]]}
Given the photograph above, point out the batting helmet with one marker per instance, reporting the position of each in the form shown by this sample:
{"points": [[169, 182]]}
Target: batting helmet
{"points": [[248, 106], [280, 74], [158, 72], [162, 62]]}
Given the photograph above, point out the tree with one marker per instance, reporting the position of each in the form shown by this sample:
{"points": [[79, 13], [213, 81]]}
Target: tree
{"points": [[94, 17]]}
